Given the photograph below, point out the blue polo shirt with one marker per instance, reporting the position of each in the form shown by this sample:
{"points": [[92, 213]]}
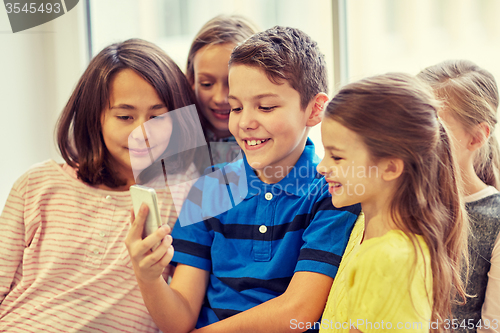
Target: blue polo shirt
{"points": [[273, 230]]}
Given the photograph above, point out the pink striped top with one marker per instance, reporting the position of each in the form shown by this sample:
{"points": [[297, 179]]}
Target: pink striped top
{"points": [[64, 266]]}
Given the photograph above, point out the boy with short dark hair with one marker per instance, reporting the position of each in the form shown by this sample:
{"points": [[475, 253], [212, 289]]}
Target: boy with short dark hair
{"points": [[268, 263]]}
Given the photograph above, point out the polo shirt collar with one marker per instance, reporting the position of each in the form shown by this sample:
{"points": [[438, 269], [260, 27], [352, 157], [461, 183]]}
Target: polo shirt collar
{"points": [[295, 182]]}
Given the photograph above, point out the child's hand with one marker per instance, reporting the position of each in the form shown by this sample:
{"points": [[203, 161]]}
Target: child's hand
{"points": [[148, 266]]}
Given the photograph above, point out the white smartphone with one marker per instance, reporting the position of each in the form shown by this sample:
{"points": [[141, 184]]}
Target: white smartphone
{"points": [[143, 194]]}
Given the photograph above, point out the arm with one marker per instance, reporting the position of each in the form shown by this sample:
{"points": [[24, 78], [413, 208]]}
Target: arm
{"points": [[301, 304], [174, 308], [12, 244], [491, 306]]}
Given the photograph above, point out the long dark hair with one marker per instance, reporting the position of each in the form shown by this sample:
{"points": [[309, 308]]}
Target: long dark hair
{"points": [[79, 127]]}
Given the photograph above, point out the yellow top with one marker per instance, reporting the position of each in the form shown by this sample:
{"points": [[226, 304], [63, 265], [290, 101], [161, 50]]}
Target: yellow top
{"points": [[377, 288]]}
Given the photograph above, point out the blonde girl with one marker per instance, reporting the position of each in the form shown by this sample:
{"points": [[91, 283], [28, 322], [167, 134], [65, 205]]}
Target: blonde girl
{"points": [[469, 95], [386, 149]]}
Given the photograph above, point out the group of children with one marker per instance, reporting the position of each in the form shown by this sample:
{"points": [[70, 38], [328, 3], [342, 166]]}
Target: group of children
{"points": [[384, 231]]}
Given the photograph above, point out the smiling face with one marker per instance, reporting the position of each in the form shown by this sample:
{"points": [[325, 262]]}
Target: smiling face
{"points": [[267, 121], [348, 168], [136, 127], [211, 85]]}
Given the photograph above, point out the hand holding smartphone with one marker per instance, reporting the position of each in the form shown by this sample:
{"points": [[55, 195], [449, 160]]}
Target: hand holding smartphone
{"points": [[142, 194]]}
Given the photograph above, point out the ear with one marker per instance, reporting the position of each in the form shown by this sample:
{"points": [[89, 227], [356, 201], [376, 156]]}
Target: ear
{"points": [[480, 134], [317, 105], [391, 168]]}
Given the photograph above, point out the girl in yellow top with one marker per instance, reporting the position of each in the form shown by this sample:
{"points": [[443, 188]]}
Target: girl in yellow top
{"points": [[386, 149]]}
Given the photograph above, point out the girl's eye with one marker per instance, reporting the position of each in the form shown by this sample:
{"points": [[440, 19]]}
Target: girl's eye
{"points": [[206, 84], [236, 109], [124, 117], [336, 158], [267, 108], [160, 118]]}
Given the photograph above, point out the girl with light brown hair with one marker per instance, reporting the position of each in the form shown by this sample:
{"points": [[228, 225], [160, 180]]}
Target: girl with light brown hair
{"points": [[386, 149], [207, 71]]}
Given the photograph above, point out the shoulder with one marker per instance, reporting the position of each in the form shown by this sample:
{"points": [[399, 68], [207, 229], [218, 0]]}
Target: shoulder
{"points": [[215, 181], [47, 166], [488, 206], [48, 178], [394, 243], [237, 168], [383, 272], [392, 252], [39, 173], [214, 193], [484, 216], [382, 268]]}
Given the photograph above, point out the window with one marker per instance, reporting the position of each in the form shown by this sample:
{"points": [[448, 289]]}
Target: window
{"points": [[172, 24], [409, 35]]}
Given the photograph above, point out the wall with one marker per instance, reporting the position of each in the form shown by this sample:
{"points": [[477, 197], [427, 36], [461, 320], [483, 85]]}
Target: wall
{"points": [[39, 68]]}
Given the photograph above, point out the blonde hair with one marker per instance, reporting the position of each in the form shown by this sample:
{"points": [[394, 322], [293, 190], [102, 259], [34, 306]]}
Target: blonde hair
{"points": [[471, 93]]}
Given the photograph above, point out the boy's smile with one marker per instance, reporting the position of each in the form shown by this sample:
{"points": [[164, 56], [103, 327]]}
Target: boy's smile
{"points": [[267, 121], [253, 143]]}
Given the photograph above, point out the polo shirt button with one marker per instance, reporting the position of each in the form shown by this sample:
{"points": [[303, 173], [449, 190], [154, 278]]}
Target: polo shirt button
{"points": [[96, 251], [262, 229], [108, 197], [268, 196], [102, 234]]}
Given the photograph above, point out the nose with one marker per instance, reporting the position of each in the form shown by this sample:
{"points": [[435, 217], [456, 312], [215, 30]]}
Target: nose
{"points": [[321, 168], [140, 131], [221, 93], [247, 120]]}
